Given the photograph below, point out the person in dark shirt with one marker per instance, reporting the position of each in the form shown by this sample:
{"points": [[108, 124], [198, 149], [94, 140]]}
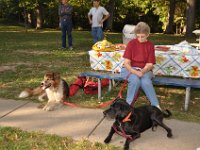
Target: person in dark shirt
{"points": [[65, 13], [139, 58]]}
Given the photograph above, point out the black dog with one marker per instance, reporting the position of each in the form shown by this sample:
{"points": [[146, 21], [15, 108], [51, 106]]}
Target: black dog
{"points": [[130, 122]]}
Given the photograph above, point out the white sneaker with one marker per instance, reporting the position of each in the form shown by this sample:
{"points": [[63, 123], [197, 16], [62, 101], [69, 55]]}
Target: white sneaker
{"points": [[70, 48], [158, 106], [62, 48]]}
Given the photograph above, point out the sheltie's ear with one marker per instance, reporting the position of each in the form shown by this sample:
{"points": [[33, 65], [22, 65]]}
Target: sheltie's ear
{"points": [[52, 75], [56, 76]]}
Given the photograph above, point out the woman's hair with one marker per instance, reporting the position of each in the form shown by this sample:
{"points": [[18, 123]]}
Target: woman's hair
{"points": [[142, 28]]}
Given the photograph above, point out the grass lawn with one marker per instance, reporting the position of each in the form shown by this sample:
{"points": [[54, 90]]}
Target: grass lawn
{"points": [[26, 56], [16, 139]]}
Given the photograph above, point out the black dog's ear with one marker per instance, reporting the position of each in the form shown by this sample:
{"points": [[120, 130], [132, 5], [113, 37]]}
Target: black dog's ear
{"points": [[121, 107], [116, 100]]}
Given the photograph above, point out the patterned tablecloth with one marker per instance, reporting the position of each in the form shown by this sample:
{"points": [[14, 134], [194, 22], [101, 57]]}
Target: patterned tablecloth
{"points": [[170, 63], [107, 61]]}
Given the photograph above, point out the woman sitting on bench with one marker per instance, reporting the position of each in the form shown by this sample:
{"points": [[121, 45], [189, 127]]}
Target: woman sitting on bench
{"points": [[138, 64]]}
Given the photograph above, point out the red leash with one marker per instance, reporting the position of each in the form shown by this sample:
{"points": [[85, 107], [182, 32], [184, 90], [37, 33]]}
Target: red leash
{"points": [[123, 86], [104, 104], [108, 102], [70, 104], [123, 134], [118, 96]]}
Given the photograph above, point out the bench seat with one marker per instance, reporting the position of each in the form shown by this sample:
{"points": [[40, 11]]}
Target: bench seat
{"points": [[188, 83], [174, 81]]}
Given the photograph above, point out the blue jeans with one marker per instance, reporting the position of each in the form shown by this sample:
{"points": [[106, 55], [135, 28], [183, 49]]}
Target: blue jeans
{"points": [[66, 26], [97, 34], [134, 83]]}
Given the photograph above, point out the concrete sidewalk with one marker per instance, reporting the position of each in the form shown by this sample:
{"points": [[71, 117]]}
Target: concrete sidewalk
{"points": [[78, 123]]}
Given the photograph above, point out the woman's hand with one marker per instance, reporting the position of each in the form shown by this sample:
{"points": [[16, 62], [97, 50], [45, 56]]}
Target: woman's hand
{"points": [[148, 67], [127, 64], [139, 73]]}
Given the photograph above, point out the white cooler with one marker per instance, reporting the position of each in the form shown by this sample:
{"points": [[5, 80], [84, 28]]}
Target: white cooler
{"points": [[128, 33]]}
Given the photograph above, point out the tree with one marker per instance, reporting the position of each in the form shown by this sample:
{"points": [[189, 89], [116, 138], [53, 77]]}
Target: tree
{"points": [[180, 15], [190, 17], [39, 15], [169, 28], [111, 9], [38, 7]]}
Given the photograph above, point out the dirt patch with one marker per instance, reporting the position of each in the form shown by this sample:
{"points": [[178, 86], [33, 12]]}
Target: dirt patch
{"points": [[6, 68], [33, 52], [12, 66]]}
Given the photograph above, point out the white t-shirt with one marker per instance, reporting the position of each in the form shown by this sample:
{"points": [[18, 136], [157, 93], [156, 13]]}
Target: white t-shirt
{"points": [[97, 15]]}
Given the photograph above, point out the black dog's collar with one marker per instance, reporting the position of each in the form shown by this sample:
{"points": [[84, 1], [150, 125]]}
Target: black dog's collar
{"points": [[127, 118]]}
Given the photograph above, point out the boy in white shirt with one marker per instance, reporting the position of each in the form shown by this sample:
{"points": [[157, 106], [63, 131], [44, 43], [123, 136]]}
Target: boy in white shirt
{"points": [[97, 15]]}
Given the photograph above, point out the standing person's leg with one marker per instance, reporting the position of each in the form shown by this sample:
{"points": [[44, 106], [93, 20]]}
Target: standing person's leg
{"points": [[133, 85], [147, 86], [69, 33], [94, 34], [99, 33], [63, 29]]}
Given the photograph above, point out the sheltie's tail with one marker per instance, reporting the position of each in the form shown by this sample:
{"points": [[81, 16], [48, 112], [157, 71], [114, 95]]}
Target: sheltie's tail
{"points": [[28, 92]]}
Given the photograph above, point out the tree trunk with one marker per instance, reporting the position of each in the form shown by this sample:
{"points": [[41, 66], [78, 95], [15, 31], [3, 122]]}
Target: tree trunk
{"points": [[190, 17], [31, 21], [39, 17], [169, 28], [25, 19], [111, 9]]}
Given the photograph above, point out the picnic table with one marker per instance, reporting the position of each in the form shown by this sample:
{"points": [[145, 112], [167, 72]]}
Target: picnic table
{"points": [[174, 68]]}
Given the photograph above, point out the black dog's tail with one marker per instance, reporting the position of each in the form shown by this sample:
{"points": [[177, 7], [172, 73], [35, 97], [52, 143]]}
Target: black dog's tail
{"points": [[166, 113]]}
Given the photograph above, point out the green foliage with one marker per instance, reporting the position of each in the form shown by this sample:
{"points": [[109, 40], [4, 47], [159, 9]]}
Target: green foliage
{"points": [[8, 9], [31, 4], [154, 12]]}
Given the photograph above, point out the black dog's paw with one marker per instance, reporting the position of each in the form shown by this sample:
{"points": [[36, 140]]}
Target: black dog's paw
{"points": [[107, 140], [154, 128], [126, 147], [169, 135], [137, 136]]}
